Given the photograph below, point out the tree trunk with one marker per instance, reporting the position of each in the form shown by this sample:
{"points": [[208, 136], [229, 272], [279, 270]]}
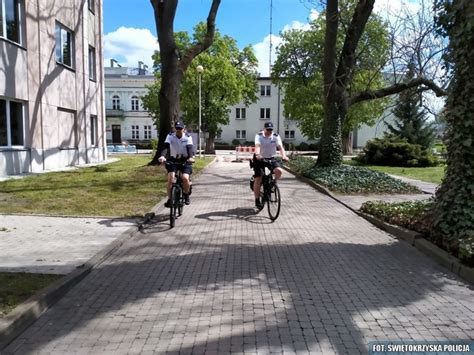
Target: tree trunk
{"points": [[172, 67], [347, 143], [453, 212], [210, 144]]}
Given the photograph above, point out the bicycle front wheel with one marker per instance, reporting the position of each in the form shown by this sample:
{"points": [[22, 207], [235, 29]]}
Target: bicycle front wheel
{"points": [[175, 195], [274, 202]]}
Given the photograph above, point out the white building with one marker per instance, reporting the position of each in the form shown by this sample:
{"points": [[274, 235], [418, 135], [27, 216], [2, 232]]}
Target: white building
{"points": [[51, 84], [246, 121], [126, 119]]}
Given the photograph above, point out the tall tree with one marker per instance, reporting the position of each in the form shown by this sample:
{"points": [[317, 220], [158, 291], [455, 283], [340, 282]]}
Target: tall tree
{"points": [[339, 68], [453, 222], [174, 63], [298, 71], [229, 77], [411, 120]]}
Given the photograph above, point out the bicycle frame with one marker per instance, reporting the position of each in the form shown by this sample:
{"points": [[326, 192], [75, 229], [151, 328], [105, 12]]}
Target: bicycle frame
{"points": [[269, 191], [177, 196]]}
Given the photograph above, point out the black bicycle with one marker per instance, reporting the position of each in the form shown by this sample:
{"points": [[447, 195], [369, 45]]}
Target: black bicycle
{"points": [[269, 191], [177, 195]]}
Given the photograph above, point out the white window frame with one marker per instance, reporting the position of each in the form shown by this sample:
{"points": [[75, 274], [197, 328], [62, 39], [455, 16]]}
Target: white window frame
{"points": [[4, 32], [289, 133], [59, 41], [135, 103], [147, 132], [91, 5], [240, 113], [135, 132], [265, 90], [115, 102], [241, 134], [93, 128], [9, 125], [265, 113], [92, 64]]}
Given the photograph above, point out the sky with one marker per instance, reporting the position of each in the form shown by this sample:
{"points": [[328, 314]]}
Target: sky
{"points": [[130, 30]]}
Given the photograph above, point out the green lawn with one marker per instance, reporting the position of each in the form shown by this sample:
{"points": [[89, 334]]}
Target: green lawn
{"points": [[18, 287], [430, 174], [128, 187]]}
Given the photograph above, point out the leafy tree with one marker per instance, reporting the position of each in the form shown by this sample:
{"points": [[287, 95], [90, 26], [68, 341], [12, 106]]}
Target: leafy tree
{"points": [[338, 68], [229, 77], [453, 214], [411, 118], [174, 63], [298, 70]]}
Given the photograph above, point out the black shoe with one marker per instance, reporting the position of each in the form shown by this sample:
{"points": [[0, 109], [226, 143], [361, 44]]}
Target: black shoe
{"points": [[187, 200], [168, 203], [258, 204]]}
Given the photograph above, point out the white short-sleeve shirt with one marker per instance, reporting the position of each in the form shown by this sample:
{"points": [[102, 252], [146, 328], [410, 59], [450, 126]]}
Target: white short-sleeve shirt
{"points": [[178, 145], [268, 145]]}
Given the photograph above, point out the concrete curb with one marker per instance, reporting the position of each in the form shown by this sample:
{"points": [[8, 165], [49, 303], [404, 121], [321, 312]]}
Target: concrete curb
{"points": [[18, 320], [413, 238]]}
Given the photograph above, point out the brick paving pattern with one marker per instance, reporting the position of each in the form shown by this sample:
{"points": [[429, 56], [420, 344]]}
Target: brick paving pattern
{"points": [[318, 280]]}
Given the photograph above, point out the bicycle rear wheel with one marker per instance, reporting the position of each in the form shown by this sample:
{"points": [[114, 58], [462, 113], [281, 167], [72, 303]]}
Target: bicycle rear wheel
{"points": [[174, 205], [274, 202]]}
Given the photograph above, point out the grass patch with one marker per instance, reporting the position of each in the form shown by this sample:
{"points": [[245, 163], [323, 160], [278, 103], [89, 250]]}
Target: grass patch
{"points": [[128, 187], [432, 174], [15, 288], [349, 179]]}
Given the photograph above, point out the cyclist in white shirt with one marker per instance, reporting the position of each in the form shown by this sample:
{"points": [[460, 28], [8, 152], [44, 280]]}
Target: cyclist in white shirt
{"points": [[266, 144], [178, 148]]}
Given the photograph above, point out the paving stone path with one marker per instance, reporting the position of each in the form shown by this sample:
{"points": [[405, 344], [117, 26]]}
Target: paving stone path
{"points": [[318, 280]]}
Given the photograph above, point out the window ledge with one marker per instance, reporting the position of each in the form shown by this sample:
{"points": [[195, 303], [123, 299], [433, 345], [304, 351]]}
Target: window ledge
{"points": [[9, 41], [14, 149]]}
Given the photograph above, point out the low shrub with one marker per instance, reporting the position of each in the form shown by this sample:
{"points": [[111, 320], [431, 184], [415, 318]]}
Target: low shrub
{"points": [[350, 179], [408, 214], [394, 151], [417, 216]]}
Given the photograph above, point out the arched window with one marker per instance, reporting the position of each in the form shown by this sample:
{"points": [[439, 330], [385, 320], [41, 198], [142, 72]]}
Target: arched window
{"points": [[115, 102], [134, 103]]}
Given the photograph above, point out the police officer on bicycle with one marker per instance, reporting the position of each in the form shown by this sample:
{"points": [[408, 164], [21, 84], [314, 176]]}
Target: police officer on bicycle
{"points": [[178, 148], [266, 144]]}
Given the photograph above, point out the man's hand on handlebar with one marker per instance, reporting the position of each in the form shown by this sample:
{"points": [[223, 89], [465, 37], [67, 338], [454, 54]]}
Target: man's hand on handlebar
{"points": [[285, 158], [258, 157], [161, 159], [190, 160]]}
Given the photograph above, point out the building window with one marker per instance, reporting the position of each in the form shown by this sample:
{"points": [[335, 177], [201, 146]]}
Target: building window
{"points": [[91, 5], [265, 90], [134, 103], [240, 113], [93, 130], [264, 113], [147, 132], [135, 132], [10, 20], [241, 134], [64, 45], [11, 124], [290, 134], [92, 72], [115, 102]]}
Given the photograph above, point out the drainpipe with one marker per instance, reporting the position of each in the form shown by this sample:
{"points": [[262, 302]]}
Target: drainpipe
{"points": [[40, 104]]}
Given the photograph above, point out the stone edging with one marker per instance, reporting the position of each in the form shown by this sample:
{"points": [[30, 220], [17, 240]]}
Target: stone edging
{"points": [[27, 312], [413, 238]]}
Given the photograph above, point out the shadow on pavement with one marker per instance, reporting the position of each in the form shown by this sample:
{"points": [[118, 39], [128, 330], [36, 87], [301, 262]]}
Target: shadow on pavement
{"points": [[242, 297]]}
